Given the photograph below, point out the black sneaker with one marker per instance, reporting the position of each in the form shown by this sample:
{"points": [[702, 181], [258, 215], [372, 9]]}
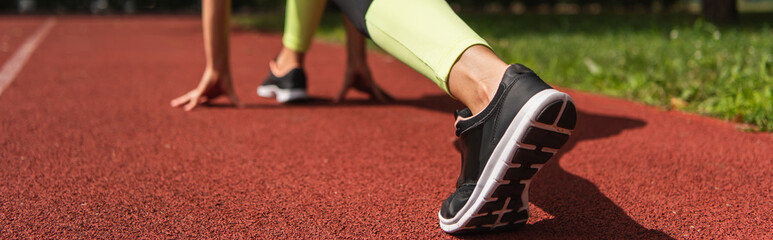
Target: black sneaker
{"points": [[288, 88], [502, 148]]}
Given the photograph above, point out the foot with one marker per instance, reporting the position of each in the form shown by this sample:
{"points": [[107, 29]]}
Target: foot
{"points": [[288, 88], [503, 146]]}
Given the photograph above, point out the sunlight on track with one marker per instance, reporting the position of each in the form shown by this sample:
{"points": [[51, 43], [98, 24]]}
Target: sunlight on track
{"points": [[16, 62]]}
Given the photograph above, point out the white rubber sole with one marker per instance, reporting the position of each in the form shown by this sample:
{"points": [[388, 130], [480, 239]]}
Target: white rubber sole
{"points": [[282, 95], [501, 160]]}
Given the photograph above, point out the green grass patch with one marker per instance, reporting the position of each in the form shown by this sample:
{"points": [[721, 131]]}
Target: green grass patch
{"points": [[670, 61]]}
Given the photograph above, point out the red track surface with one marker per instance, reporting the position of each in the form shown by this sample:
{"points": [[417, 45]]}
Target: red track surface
{"points": [[91, 149]]}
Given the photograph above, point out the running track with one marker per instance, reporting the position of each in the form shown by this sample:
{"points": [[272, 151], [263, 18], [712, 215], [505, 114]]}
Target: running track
{"points": [[89, 148]]}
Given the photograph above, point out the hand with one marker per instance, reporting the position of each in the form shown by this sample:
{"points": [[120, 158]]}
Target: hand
{"points": [[359, 78], [212, 85]]}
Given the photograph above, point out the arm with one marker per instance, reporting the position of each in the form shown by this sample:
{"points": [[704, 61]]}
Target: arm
{"points": [[216, 80], [215, 16], [355, 47], [358, 74]]}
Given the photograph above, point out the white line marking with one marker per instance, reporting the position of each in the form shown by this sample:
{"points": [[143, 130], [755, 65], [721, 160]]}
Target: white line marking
{"points": [[16, 62]]}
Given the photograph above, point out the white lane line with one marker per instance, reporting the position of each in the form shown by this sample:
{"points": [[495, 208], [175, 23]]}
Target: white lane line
{"points": [[16, 62]]}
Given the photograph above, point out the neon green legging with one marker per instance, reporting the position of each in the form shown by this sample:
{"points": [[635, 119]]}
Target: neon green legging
{"points": [[424, 34]]}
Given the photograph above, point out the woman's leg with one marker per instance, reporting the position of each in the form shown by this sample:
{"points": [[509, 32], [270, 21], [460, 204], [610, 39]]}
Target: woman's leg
{"points": [[429, 37], [287, 81], [514, 122], [301, 21]]}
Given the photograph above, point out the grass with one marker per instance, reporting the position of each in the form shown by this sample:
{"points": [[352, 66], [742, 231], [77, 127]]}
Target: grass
{"points": [[671, 61]]}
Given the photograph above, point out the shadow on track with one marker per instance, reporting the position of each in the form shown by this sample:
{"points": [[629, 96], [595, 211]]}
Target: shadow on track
{"points": [[438, 102]]}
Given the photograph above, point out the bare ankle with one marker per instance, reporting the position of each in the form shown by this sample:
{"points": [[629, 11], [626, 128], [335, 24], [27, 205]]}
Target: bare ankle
{"points": [[486, 92], [286, 61], [474, 79]]}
